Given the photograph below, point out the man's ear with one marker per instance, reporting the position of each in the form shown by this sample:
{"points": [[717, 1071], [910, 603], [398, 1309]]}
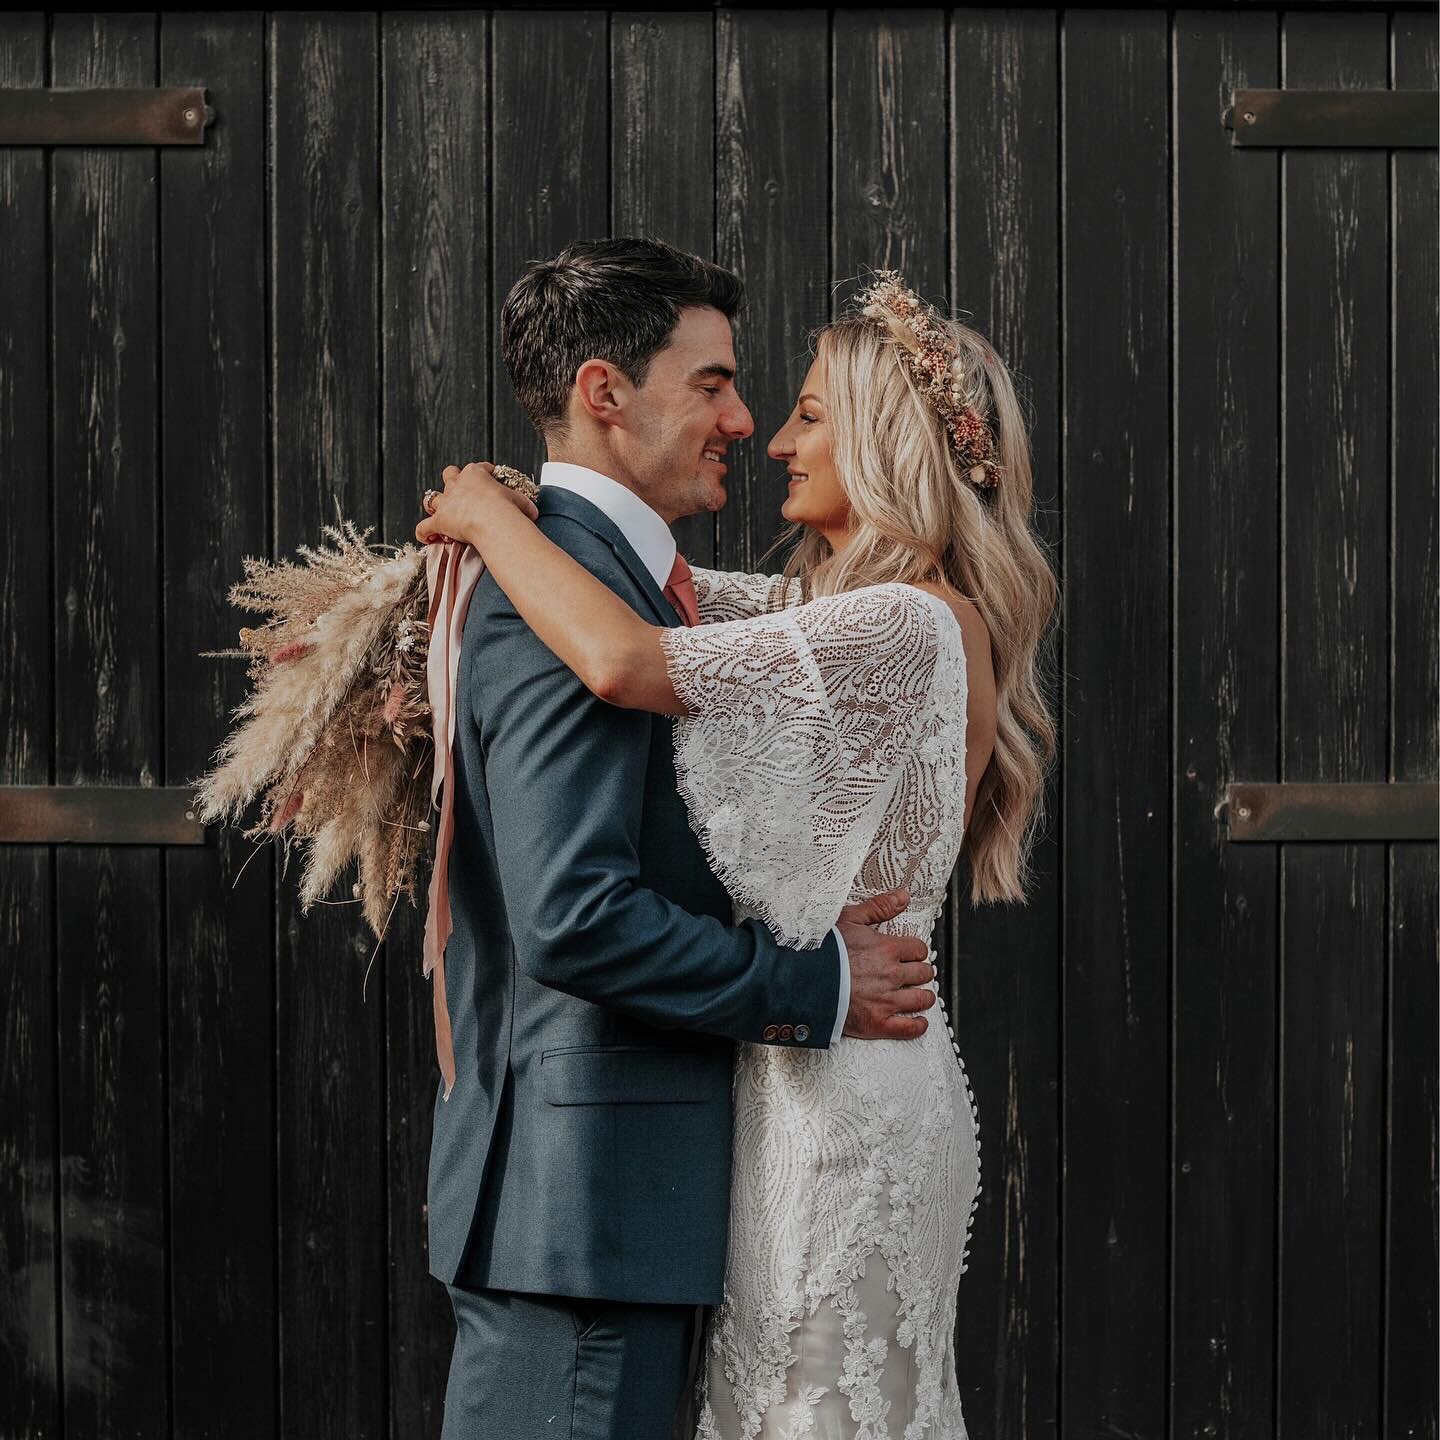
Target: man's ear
{"points": [[602, 391]]}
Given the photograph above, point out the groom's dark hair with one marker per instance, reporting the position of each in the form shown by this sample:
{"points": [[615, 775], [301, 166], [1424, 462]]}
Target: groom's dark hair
{"points": [[615, 300]]}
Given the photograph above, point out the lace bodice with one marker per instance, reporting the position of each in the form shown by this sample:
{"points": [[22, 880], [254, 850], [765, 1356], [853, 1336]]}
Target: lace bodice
{"points": [[824, 758], [823, 761]]}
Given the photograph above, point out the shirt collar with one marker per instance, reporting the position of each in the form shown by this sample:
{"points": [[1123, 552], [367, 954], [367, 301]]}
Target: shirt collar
{"points": [[646, 531]]}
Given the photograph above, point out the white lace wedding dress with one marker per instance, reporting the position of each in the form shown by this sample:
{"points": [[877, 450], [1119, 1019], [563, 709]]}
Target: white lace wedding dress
{"points": [[825, 763]]}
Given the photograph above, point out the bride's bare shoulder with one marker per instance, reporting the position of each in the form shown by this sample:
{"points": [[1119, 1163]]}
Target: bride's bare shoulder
{"points": [[966, 611], [974, 634]]}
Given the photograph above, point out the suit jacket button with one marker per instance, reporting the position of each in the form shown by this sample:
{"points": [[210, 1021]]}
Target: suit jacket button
{"points": [[770, 1032], [802, 1033], [786, 1031]]}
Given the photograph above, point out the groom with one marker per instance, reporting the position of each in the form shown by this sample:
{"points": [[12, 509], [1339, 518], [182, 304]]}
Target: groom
{"points": [[580, 1169]]}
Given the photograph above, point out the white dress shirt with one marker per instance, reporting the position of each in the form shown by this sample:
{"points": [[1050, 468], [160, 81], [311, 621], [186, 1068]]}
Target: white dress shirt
{"points": [[652, 541]]}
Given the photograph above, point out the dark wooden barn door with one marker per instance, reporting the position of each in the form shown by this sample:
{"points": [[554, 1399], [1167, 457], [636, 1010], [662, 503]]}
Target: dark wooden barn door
{"points": [[1304, 1000], [1205, 1067]]}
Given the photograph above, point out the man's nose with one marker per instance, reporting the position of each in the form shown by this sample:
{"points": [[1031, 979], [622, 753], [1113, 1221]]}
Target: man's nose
{"points": [[738, 422]]}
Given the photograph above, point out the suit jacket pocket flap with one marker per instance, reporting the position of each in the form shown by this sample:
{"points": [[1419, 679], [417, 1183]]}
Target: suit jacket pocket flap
{"points": [[639, 1076]]}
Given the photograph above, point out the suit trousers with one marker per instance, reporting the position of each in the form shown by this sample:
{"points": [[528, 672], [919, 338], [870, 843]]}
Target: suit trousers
{"points": [[547, 1367]]}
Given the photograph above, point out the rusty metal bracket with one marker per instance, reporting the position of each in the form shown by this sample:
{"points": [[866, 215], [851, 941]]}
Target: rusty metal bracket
{"points": [[99, 815], [1342, 119], [1401, 810], [174, 115]]}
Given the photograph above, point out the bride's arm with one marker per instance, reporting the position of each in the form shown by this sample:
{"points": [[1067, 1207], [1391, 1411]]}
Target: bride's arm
{"points": [[737, 594], [616, 655]]}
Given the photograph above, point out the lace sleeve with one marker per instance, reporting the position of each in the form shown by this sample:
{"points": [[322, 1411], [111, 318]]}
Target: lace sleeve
{"points": [[733, 595], [800, 725]]}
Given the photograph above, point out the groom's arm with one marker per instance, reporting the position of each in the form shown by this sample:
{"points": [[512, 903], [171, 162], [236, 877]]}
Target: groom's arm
{"points": [[565, 774]]}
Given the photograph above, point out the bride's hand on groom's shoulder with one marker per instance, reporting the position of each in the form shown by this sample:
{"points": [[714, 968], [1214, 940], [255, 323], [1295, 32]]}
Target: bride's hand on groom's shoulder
{"points": [[890, 975], [459, 511]]}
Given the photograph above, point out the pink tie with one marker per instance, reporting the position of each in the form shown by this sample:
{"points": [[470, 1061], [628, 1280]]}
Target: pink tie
{"points": [[680, 591], [451, 572]]}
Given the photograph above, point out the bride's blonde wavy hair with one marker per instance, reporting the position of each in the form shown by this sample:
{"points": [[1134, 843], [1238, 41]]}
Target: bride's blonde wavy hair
{"points": [[914, 515]]}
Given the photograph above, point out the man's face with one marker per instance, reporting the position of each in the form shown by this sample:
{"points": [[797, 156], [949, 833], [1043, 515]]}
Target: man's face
{"points": [[681, 422]]}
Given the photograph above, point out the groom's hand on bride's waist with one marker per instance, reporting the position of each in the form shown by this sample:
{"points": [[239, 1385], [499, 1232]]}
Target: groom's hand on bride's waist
{"points": [[890, 975]]}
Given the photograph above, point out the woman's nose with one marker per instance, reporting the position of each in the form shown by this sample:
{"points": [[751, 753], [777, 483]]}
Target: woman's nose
{"points": [[778, 449]]}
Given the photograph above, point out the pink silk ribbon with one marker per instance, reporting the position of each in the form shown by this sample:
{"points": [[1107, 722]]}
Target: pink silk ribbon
{"points": [[452, 570]]}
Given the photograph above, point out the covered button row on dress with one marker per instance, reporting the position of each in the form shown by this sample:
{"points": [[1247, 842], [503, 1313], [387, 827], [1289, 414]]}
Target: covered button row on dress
{"points": [[974, 1109]]}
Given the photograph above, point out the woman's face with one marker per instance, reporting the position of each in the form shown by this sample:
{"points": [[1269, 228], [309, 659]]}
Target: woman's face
{"points": [[816, 497]]}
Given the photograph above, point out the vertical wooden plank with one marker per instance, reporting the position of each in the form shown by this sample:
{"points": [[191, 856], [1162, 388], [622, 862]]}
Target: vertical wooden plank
{"points": [[29, 1221], [772, 81], [1116, 806], [662, 135], [550, 141], [1002, 964], [436, 375], [109, 931], [325, 402], [1227, 629], [889, 160], [662, 156], [1412, 1182], [1334, 724], [219, 911]]}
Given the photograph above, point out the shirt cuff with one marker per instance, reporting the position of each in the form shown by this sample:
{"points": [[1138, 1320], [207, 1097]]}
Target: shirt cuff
{"points": [[842, 1005]]}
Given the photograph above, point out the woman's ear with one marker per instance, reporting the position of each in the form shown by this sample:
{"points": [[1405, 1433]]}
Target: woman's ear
{"points": [[602, 390]]}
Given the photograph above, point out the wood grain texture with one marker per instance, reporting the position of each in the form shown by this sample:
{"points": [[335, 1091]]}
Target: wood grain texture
{"points": [[437, 323], [109, 935], [1227, 639], [1002, 964], [1206, 1072], [1334, 721], [325, 403], [662, 127], [549, 159], [1117, 712], [1413, 1175], [662, 157], [772, 200], [30, 1373], [889, 162], [219, 924]]}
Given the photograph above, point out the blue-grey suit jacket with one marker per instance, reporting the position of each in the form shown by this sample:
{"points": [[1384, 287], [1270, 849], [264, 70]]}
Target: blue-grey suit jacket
{"points": [[595, 983]]}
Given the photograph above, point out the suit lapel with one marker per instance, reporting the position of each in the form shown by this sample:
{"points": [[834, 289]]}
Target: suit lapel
{"points": [[554, 500]]}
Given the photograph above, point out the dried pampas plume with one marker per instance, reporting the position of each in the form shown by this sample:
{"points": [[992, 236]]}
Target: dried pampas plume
{"points": [[335, 734]]}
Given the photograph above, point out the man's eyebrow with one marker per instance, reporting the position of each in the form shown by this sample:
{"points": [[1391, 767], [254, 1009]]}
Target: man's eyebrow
{"points": [[716, 371]]}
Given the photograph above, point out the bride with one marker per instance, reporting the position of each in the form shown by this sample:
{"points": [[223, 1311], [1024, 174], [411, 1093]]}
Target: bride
{"points": [[841, 728]]}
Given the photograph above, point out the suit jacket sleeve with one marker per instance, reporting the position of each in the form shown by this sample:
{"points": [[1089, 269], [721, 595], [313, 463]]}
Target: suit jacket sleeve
{"points": [[565, 775]]}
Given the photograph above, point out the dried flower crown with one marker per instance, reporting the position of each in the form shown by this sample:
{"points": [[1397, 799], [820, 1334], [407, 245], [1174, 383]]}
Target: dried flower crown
{"points": [[914, 326]]}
